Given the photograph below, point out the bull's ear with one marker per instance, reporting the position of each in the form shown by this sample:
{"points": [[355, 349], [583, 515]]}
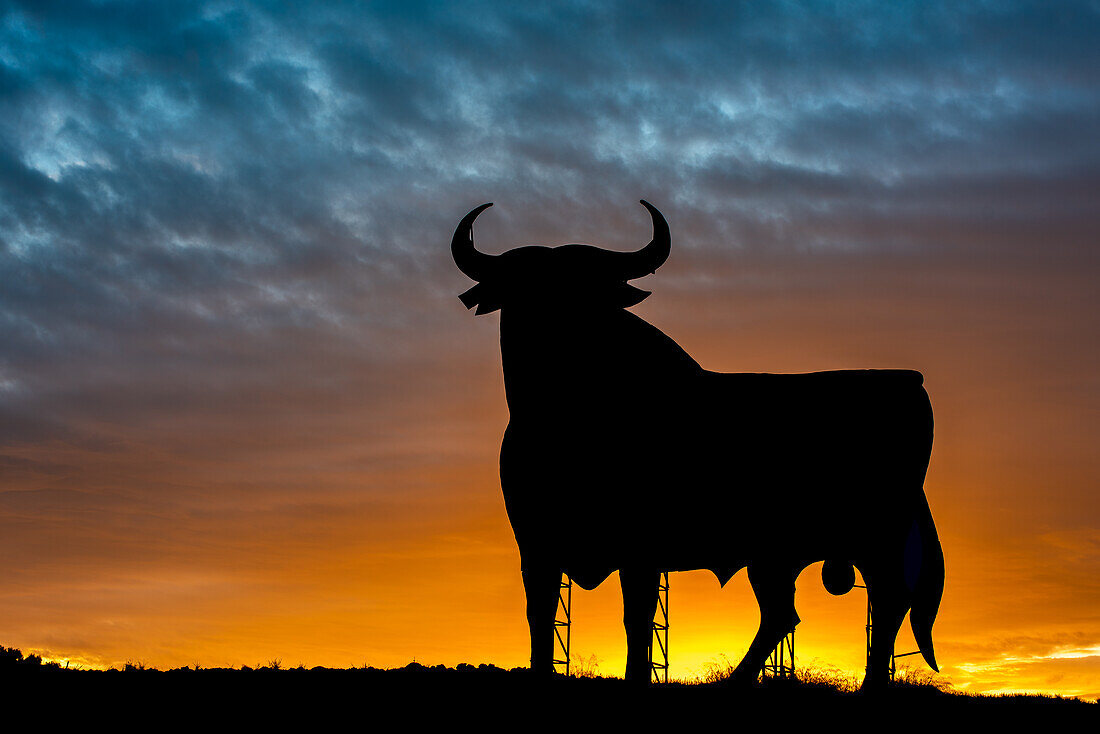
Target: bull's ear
{"points": [[481, 296], [601, 294], [471, 297], [625, 295], [487, 307]]}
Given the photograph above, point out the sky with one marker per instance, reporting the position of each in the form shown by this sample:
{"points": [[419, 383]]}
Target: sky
{"points": [[244, 417]]}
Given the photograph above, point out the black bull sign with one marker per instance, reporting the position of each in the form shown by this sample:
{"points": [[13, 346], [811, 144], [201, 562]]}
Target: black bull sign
{"points": [[610, 417]]}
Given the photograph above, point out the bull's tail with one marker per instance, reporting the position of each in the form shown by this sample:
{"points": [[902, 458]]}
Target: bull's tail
{"points": [[924, 576]]}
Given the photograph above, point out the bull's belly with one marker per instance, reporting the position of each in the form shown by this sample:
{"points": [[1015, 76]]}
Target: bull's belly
{"points": [[589, 544]]}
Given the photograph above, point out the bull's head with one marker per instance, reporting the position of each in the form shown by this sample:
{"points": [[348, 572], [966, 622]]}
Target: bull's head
{"points": [[581, 275]]}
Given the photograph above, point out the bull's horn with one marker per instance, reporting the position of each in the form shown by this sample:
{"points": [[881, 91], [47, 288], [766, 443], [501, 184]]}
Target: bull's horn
{"points": [[653, 255], [474, 264]]}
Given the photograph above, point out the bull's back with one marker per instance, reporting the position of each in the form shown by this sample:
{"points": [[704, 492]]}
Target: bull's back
{"points": [[802, 426], [822, 408]]}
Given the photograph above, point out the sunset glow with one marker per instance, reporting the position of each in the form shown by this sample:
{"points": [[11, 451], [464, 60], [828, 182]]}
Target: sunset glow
{"points": [[244, 416]]}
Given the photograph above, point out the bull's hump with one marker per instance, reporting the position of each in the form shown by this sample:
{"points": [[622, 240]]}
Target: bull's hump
{"points": [[655, 342]]}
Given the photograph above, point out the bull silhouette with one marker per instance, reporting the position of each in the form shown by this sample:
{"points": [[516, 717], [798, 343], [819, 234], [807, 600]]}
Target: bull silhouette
{"points": [[666, 466]]}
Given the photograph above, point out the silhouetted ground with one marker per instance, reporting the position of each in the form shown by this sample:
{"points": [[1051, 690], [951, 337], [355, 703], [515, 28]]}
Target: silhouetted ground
{"points": [[419, 694]]}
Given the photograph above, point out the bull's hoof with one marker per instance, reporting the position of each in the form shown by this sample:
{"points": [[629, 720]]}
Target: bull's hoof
{"points": [[742, 678], [541, 674], [874, 684]]}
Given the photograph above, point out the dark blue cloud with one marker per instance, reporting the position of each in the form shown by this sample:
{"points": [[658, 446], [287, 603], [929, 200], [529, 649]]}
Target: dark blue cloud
{"points": [[191, 192]]}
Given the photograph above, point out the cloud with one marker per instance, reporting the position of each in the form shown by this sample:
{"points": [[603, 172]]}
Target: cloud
{"points": [[223, 236]]}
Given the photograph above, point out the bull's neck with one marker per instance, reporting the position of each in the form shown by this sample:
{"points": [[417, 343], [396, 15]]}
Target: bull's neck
{"points": [[547, 356], [562, 361]]}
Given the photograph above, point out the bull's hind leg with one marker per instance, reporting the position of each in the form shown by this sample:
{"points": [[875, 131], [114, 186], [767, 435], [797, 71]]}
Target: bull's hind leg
{"points": [[774, 590], [542, 585], [889, 604], [639, 606]]}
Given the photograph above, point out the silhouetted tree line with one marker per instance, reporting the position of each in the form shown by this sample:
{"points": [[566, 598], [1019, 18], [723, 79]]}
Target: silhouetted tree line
{"points": [[151, 689], [12, 658]]}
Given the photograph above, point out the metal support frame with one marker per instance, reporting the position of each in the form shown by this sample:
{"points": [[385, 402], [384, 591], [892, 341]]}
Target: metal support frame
{"points": [[893, 655], [565, 606], [780, 664], [563, 626], [659, 643]]}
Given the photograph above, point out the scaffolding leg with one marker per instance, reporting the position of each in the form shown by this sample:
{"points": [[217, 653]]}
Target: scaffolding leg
{"points": [[658, 647], [780, 664], [563, 624]]}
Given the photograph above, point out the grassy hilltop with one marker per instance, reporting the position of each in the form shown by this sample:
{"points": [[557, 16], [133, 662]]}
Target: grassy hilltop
{"points": [[34, 683]]}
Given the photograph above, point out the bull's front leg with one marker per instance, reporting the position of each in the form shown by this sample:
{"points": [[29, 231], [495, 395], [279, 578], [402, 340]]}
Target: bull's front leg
{"points": [[542, 584], [639, 606]]}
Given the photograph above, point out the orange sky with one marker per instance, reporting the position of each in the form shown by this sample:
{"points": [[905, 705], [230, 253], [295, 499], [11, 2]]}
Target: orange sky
{"points": [[243, 415], [327, 536]]}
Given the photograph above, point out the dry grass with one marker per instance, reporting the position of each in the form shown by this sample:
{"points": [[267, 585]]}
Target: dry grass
{"points": [[718, 670], [828, 678], [582, 667]]}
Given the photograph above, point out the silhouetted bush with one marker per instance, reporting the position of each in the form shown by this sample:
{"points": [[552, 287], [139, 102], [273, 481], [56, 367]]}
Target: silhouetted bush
{"points": [[11, 657]]}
